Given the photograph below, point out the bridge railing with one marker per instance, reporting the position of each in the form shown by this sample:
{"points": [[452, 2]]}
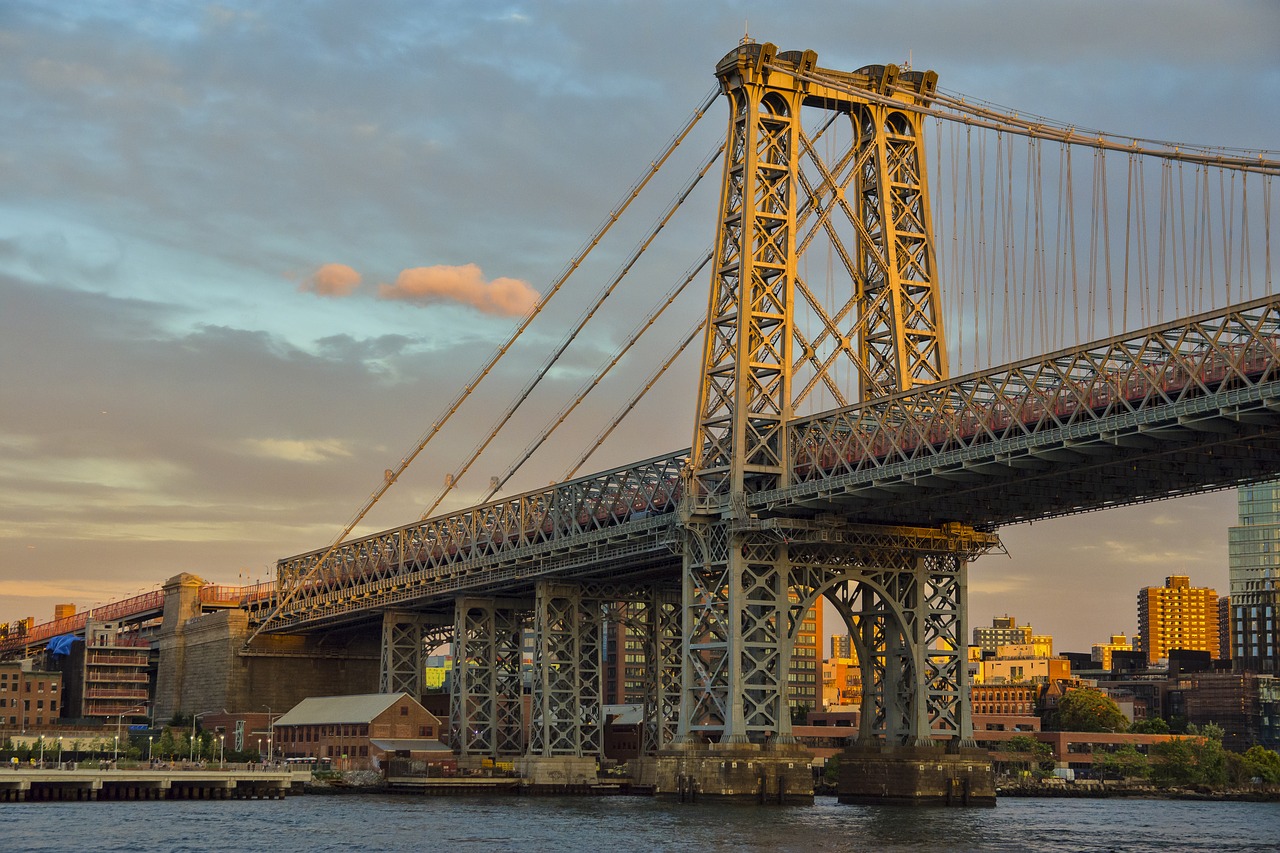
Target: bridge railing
{"points": [[447, 544], [1171, 363], [147, 602], [237, 596]]}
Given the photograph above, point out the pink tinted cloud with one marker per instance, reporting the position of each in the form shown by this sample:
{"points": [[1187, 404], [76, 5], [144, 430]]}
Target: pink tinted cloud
{"points": [[335, 280], [463, 284]]}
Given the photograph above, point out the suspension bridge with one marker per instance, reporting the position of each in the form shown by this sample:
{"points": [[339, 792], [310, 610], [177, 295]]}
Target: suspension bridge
{"points": [[1103, 346]]}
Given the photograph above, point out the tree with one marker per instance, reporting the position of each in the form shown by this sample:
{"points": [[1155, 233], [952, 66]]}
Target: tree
{"points": [[1125, 762], [1086, 710], [1150, 726], [1030, 754], [1262, 763], [165, 747], [1197, 759]]}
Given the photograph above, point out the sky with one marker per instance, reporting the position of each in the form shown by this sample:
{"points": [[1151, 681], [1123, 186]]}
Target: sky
{"points": [[250, 252]]}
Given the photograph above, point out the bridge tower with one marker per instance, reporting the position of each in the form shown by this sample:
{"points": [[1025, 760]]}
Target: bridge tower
{"points": [[750, 575]]}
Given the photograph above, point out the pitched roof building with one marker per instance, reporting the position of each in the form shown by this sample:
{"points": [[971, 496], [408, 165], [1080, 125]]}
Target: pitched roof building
{"points": [[357, 732]]}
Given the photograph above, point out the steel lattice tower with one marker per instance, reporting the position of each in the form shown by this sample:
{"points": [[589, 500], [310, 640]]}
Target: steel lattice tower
{"points": [[742, 571]]}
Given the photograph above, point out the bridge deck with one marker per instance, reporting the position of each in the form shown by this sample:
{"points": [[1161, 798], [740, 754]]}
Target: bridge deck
{"points": [[1175, 409]]}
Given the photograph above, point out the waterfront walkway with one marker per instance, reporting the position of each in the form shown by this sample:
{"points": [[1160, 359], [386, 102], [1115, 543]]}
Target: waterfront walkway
{"points": [[84, 784]]}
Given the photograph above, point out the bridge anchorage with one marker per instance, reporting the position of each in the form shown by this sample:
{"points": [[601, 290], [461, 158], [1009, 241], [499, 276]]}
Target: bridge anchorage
{"points": [[712, 556]]}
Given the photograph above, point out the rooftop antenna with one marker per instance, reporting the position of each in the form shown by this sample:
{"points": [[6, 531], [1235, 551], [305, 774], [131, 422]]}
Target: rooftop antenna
{"points": [[746, 36], [906, 66]]}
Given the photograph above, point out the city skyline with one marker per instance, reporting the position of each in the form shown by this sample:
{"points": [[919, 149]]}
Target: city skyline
{"points": [[247, 254]]}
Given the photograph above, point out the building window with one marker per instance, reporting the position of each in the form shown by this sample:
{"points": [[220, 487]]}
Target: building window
{"points": [[404, 710]]}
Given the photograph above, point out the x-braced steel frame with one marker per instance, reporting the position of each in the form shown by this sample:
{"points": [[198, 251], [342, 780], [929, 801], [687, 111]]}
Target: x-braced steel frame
{"points": [[484, 707], [406, 638], [901, 592], [567, 682]]}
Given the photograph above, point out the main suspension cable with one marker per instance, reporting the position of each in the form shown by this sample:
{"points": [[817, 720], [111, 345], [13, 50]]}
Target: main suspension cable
{"points": [[590, 386], [635, 400], [391, 475], [453, 479]]}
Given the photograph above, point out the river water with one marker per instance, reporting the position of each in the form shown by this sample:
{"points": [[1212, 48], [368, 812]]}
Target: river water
{"points": [[314, 824]]}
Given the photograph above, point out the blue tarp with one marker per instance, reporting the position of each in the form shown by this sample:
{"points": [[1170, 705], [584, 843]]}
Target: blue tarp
{"points": [[61, 645]]}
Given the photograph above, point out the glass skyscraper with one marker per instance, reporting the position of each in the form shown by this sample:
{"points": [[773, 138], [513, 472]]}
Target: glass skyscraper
{"points": [[1254, 562]]}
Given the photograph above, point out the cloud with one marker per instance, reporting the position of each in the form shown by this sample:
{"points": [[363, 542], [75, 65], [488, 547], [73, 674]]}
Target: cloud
{"points": [[332, 280], [291, 450], [466, 285]]}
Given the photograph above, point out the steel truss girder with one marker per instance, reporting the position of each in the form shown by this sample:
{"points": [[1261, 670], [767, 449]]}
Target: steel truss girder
{"points": [[446, 551], [911, 455], [485, 715], [1150, 390]]}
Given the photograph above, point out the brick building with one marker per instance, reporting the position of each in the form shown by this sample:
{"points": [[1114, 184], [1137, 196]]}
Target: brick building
{"points": [[357, 732], [29, 698]]}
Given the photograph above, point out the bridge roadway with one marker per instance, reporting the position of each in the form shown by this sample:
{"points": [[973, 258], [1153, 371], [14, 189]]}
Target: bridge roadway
{"points": [[136, 610], [1175, 409]]}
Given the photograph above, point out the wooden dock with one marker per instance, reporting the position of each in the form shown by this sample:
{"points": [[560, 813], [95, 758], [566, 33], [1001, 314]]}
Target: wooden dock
{"points": [[446, 786]]}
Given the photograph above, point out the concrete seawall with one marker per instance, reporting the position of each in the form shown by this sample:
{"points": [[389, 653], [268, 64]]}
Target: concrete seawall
{"points": [[57, 785]]}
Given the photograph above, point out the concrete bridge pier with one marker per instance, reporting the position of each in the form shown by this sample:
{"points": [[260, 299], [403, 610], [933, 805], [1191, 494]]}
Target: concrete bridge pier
{"points": [[916, 776], [773, 773]]}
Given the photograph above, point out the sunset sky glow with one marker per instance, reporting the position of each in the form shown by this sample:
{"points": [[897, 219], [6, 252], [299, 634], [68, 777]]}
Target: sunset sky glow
{"points": [[249, 251]]}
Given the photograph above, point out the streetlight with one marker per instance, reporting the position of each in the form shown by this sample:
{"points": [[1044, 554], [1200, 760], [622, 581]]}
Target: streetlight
{"points": [[149, 737], [41, 752], [59, 752], [271, 732], [119, 725], [222, 742], [194, 718]]}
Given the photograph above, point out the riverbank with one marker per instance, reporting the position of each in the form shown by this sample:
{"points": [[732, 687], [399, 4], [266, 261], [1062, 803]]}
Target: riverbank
{"points": [[372, 783], [1091, 789]]}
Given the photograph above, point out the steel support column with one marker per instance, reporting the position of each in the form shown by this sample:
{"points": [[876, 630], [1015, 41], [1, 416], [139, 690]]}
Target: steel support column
{"points": [[736, 645], [567, 678], [402, 664], [662, 669], [484, 707]]}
